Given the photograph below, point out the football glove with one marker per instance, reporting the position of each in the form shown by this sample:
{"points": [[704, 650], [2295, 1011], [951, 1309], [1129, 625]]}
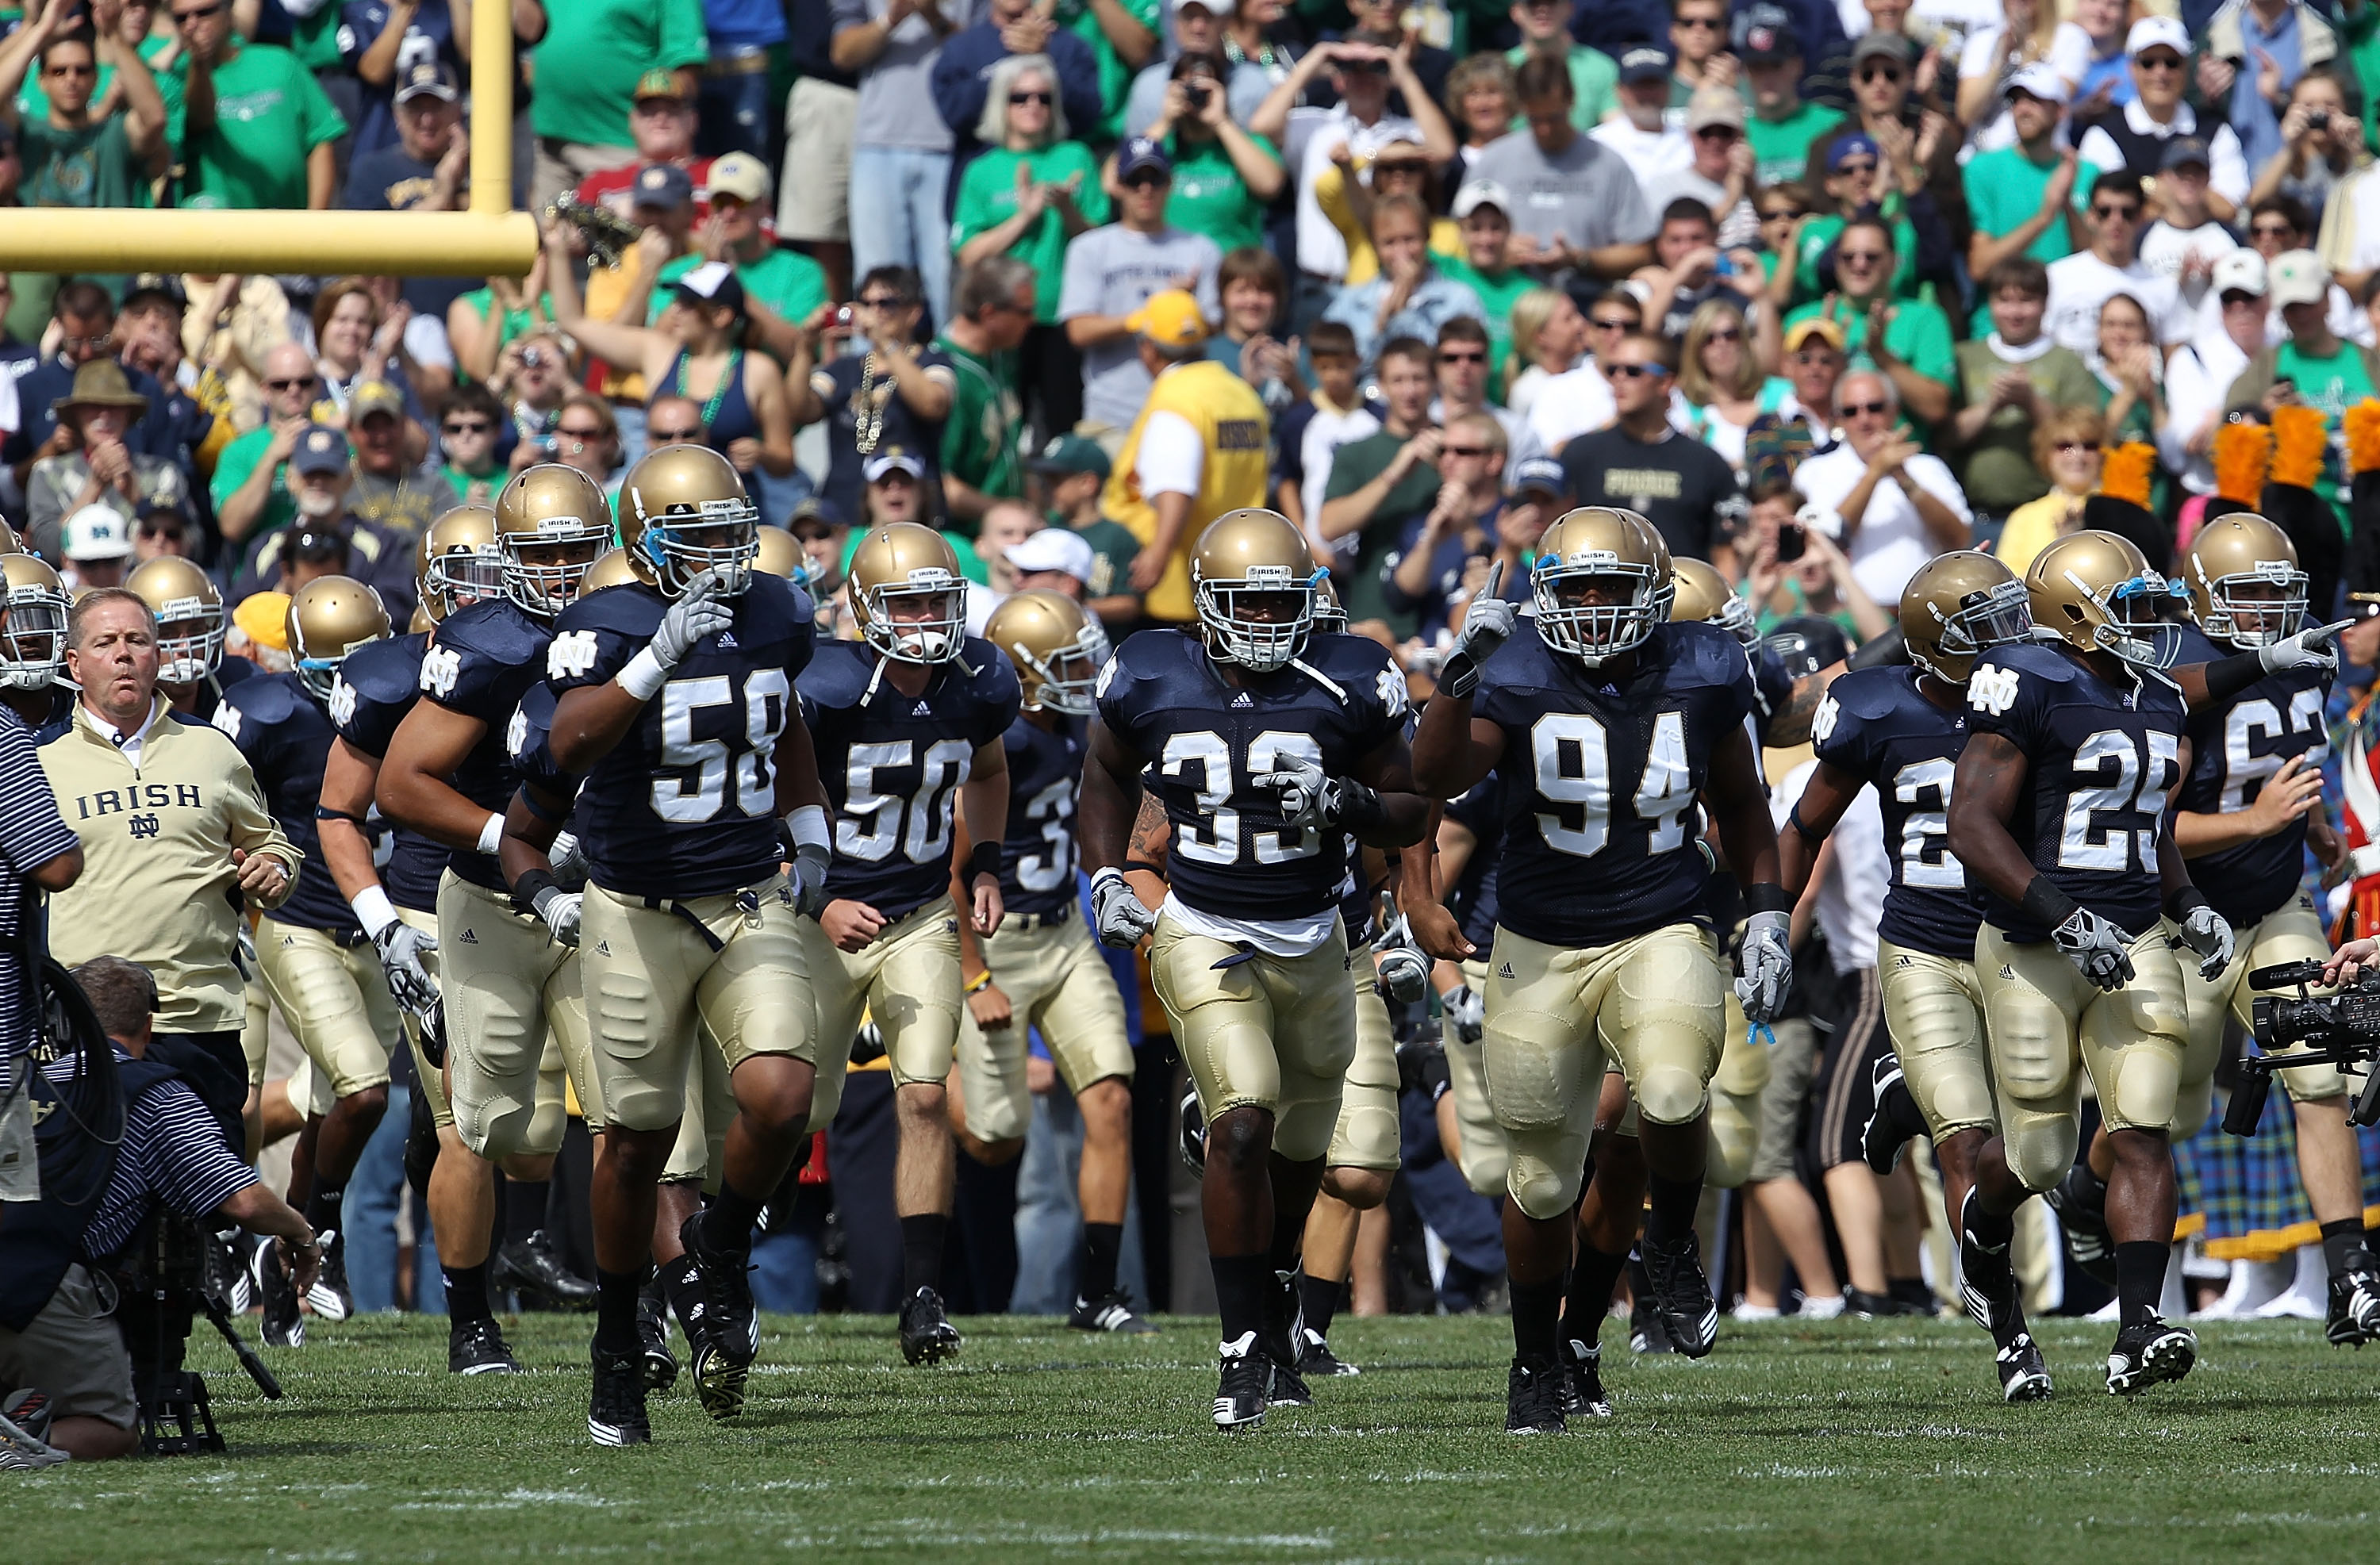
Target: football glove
{"points": [[569, 863], [1467, 1011], [1123, 919], [1767, 962], [1487, 625], [695, 616], [1311, 797], [2315, 649], [561, 911], [401, 947], [811, 861], [2205, 933], [1404, 974], [2098, 949]]}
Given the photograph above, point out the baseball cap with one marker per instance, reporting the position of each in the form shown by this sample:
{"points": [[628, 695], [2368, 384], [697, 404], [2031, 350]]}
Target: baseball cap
{"points": [[1805, 643], [2242, 271], [712, 283], [658, 83], [2040, 80], [432, 77], [662, 185], [1715, 105], [739, 175], [263, 618], [1482, 193], [2298, 277], [1219, 7], [321, 449], [816, 508], [1540, 473], [894, 459], [1138, 153], [314, 543], [1644, 62], [1068, 455], [2155, 32], [374, 396], [1764, 35], [1859, 143], [2182, 152], [1890, 46], [1800, 332], [97, 533], [1171, 319], [1053, 548]]}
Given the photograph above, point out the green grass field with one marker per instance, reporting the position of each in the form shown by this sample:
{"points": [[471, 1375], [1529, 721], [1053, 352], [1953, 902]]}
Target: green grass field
{"points": [[1880, 1442]]}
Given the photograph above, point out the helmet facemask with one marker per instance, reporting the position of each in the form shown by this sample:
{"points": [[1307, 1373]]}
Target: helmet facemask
{"points": [[1260, 621], [550, 583], [1998, 616], [933, 638], [2254, 609], [724, 538], [2135, 628], [1595, 605], [1064, 681], [190, 640], [33, 641], [1735, 617], [458, 579]]}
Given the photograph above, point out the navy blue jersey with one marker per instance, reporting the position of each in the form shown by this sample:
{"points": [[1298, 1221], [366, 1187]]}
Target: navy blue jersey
{"points": [[1471, 898], [57, 705], [529, 738], [686, 804], [287, 735], [1045, 770], [892, 765], [1772, 689], [481, 662], [2234, 749], [208, 696], [1601, 782], [2103, 756], [1875, 725], [376, 686], [1206, 739]]}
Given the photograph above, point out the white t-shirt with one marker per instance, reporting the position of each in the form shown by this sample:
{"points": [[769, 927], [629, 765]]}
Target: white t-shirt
{"points": [[1323, 131], [2079, 284], [1172, 458], [2197, 380], [1649, 153], [2166, 250], [1569, 403], [1851, 899], [1891, 540], [2070, 56], [1325, 434]]}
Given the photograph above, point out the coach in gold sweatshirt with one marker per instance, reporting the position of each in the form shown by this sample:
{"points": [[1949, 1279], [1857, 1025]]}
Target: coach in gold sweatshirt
{"points": [[174, 835]]}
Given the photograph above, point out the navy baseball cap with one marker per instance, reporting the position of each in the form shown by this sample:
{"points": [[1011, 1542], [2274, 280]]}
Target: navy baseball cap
{"points": [[1764, 34], [321, 449], [1141, 153], [1859, 143], [1540, 473], [1644, 62], [662, 185], [1805, 643]]}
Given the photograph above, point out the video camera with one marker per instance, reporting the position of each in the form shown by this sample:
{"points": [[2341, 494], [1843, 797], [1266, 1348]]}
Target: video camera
{"points": [[161, 1286], [2341, 1029]]}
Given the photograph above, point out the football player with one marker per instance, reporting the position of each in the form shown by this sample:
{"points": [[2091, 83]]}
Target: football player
{"points": [[1270, 748], [33, 646], [1612, 725], [192, 670], [1448, 896], [317, 963], [2076, 745], [1900, 731], [910, 721], [674, 703], [1041, 970]]}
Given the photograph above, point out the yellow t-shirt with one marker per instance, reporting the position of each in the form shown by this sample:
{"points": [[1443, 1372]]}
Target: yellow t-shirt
{"points": [[2034, 526], [1233, 431], [1363, 262]]}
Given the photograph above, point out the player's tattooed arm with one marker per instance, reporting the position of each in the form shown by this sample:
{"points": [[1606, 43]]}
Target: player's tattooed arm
{"points": [[1110, 799], [1983, 793], [1828, 794], [1152, 836], [1387, 772], [1740, 810], [1791, 726]]}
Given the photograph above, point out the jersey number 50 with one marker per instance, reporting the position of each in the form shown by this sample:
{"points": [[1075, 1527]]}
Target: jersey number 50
{"points": [[873, 823]]}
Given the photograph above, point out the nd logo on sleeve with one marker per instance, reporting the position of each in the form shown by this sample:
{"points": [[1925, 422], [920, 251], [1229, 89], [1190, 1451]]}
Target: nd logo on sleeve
{"points": [[1992, 690]]}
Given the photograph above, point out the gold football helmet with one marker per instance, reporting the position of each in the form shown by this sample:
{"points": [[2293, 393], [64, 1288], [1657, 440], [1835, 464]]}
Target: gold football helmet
{"points": [[1255, 582], [1958, 604], [9, 542], [1602, 582], [2244, 584], [330, 617], [1058, 648], [684, 511], [2094, 591], [908, 595], [551, 523], [611, 569], [780, 555], [190, 617], [33, 637], [1698, 593], [457, 563], [422, 620]]}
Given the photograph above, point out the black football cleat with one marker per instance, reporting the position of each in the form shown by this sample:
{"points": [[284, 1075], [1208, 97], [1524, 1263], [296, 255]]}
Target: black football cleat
{"points": [[1988, 1287], [1316, 1359], [1194, 1132], [2025, 1374], [476, 1347], [2354, 1316], [729, 1318], [284, 1326], [1892, 1118], [1289, 1388], [1860, 1305], [531, 1265], [1681, 1295], [1112, 1311], [330, 1297], [1533, 1399], [2149, 1351], [719, 1381], [1581, 1385], [2081, 1202], [616, 1405], [652, 1331], [1244, 1392], [927, 1334]]}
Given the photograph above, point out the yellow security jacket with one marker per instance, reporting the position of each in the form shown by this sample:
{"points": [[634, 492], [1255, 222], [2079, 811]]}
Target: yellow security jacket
{"points": [[1230, 419], [158, 886]]}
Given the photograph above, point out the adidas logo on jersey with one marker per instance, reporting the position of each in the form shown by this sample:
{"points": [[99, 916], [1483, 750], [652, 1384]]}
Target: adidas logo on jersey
{"points": [[727, 640], [470, 937], [1243, 699], [2007, 972], [1505, 971], [603, 948], [923, 709]]}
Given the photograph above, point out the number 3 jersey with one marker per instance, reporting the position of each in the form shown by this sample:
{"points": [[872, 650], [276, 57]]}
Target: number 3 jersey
{"points": [[894, 764], [481, 662], [2235, 750], [686, 804], [1045, 768], [286, 735], [2103, 756], [1207, 740], [1878, 727], [1600, 780]]}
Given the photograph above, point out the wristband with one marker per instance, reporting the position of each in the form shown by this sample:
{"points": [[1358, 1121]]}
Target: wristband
{"points": [[527, 889], [1766, 896], [325, 812], [1458, 677], [980, 982], [2226, 677], [490, 834], [2046, 904], [2181, 903], [644, 676], [1793, 818], [806, 826], [374, 912], [1359, 807], [985, 858]]}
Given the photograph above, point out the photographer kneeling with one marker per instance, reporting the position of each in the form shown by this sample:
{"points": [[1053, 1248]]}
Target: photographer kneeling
{"points": [[56, 1297]]}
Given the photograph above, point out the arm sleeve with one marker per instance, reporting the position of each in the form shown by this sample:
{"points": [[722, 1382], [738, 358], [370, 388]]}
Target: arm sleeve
{"points": [[685, 40], [1079, 293], [184, 1160], [958, 85], [1172, 458]]}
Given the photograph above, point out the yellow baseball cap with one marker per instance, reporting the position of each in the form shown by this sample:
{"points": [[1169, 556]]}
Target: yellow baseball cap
{"points": [[264, 617], [1171, 319], [1799, 332]]}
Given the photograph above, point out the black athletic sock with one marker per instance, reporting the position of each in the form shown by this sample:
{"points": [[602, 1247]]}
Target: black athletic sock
{"points": [[1317, 1298], [1537, 1318], [921, 1252], [615, 1311], [323, 1207], [525, 1203], [1243, 1286], [1593, 1277], [682, 1285], [2342, 1242], [1899, 1122], [1671, 1218], [2139, 1279], [466, 1293], [1993, 1231], [730, 1218], [1095, 1269]]}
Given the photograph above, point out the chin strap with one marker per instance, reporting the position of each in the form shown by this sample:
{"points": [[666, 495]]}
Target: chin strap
{"points": [[1324, 680]]}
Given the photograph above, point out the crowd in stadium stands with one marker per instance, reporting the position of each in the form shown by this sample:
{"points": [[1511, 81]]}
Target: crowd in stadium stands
{"points": [[1821, 287]]}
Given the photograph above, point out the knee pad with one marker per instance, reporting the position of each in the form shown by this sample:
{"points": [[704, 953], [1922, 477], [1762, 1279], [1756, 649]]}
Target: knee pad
{"points": [[1734, 1141], [2192, 1102], [1668, 1095], [503, 1133], [1547, 1168], [2040, 1146]]}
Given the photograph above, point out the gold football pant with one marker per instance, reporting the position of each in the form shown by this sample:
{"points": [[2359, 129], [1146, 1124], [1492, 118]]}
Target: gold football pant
{"points": [[2291, 934], [1276, 1033], [1933, 1008], [1056, 981], [256, 1028], [906, 981], [1653, 1002], [1368, 1134], [508, 992], [1485, 1160], [2045, 1019], [1736, 1090], [336, 999], [548, 1120], [733, 962]]}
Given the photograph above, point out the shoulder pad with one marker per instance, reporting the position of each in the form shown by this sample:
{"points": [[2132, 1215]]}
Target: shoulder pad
{"points": [[2045, 663], [493, 628], [387, 671], [631, 609], [995, 677], [264, 702], [235, 670], [1871, 693], [2197, 647], [1703, 654], [776, 599], [838, 673]]}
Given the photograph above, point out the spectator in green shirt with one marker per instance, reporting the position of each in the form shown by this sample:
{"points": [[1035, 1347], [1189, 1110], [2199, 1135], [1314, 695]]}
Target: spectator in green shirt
{"points": [[1908, 340], [1223, 176], [1782, 126], [74, 156], [1072, 471], [587, 66], [251, 486], [2020, 196], [2010, 381], [259, 128], [783, 289], [1035, 188], [1124, 35], [1594, 76], [1483, 208], [467, 428], [992, 308]]}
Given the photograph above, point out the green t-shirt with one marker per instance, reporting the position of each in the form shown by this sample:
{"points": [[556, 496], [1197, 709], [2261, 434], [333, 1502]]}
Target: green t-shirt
{"points": [[980, 433], [232, 468], [2004, 189], [1820, 232], [468, 490], [1351, 467], [593, 54], [269, 114], [1115, 77], [2333, 385], [1997, 470], [789, 282], [1112, 549], [90, 167], [1781, 148], [1211, 198], [1498, 294], [1918, 335], [34, 102], [1594, 84], [315, 39], [988, 198]]}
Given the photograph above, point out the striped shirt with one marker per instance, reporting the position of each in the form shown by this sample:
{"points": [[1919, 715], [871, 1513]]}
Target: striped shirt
{"points": [[174, 1151], [31, 833]]}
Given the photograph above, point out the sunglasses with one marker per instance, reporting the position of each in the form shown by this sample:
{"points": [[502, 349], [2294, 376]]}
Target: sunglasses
{"points": [[300, 383], [583, 435], [1635, 371], [2122, 213], [467, 427], [1869, 409], [1860, 258], [1880, 73], [1861, 166], [2271, 231], [199, 15], [1148, 179], [1783, 215], [70, 70], [1699, 24], [159, 529], [1725, 335], [886, 302], [676, 437], [1369, 67], [2156, 62], [1043, 99], [1605, 323], [1462, 357]]}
